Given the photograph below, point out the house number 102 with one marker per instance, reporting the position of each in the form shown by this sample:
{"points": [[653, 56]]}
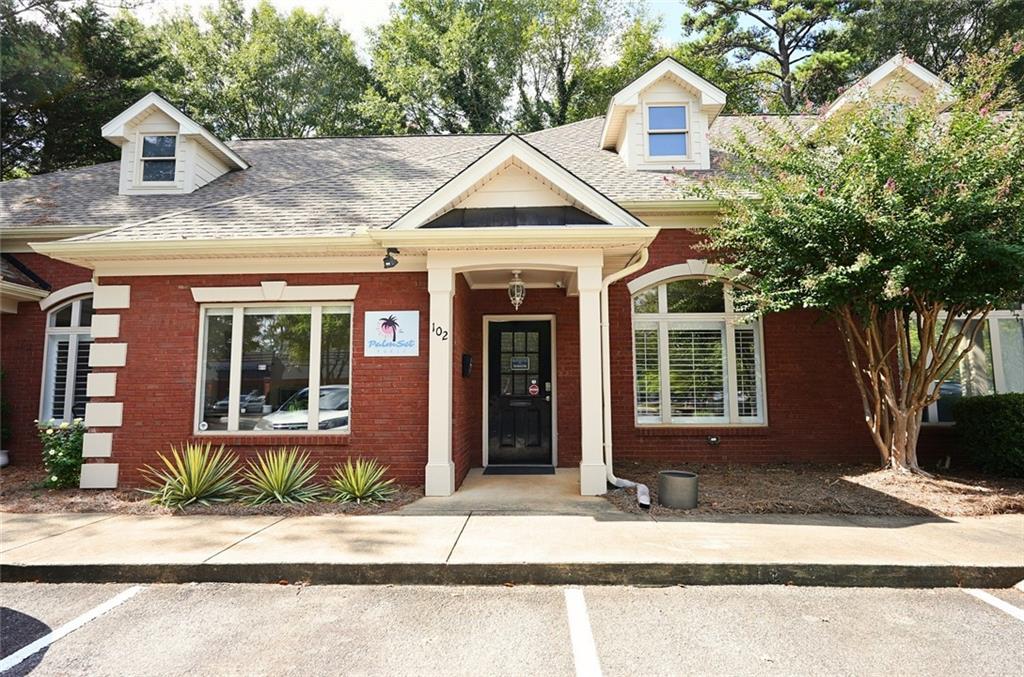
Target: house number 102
{"points": [[439, 331]]}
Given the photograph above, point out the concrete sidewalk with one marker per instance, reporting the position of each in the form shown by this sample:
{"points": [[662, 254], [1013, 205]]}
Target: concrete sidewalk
{"points": [[492, 548]]}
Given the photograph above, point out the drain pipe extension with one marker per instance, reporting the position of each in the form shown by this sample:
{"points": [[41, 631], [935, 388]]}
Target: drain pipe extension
{"points": [[643, 494]]}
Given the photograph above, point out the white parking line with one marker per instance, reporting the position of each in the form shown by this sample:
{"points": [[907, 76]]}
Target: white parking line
{"points": [[997, 603], [69, 627], [584, 652]]}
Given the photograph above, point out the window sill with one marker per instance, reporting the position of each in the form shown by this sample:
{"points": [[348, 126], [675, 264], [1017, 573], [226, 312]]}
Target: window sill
{"points": [[302, 438], [703, 430]]}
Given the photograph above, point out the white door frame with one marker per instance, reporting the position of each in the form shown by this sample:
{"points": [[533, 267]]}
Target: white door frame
{"points": [[486, 369]]}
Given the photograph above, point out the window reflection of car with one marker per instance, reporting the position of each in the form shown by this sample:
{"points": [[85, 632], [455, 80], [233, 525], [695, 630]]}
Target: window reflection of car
{"points": [[294, 413], [249, 403]]}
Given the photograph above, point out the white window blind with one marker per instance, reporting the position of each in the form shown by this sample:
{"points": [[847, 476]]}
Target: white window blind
{"points": [[68, 341], [695, 360]]}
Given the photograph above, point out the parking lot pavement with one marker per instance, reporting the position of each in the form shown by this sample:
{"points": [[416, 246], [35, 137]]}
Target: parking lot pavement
{"points": [[222, 629]]}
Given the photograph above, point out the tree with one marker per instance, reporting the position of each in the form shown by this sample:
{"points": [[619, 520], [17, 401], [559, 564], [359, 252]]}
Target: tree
{"points": [[66, 73], [772, 37], [906, 227], [940, 35], [445, 66], [566, 40], [262, 73]]}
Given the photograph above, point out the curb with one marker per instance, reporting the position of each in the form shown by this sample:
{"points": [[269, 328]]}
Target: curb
{"points": [[831, 575]]}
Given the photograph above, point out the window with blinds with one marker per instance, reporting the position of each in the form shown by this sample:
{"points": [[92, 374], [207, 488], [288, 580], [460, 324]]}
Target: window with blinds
{"points": [[695, 360], [68, 342]]}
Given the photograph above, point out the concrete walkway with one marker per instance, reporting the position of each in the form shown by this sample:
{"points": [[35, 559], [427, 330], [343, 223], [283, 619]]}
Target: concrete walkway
{"points": [[527, 548]]}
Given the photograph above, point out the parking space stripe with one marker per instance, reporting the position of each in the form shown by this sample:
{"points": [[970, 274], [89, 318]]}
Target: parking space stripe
{"points": [[69, 627], [584, 651], [997, 603]]}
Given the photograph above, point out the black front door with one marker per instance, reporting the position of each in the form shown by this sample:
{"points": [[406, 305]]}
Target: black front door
{"points": [[519, 397]]}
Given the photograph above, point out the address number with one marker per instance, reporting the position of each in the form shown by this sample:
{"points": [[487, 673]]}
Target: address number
{"points": [[440, 332]]}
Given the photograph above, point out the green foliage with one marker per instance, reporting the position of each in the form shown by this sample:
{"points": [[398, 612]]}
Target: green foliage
{"points": [[65, 75], [282, 476], [991, 431], [361, 482], [772, 39], [196, 474], [261, 73], [62, 452], [445, 66], [880, 205]]}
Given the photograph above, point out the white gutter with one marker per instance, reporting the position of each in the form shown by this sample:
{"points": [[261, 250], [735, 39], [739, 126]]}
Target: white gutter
{"points": [[643, 495]]}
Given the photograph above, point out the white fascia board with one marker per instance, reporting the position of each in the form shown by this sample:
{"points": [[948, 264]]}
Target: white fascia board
{"points": [[521, 237], [20, 292], [114, 132], [923, 77], [516, 147]]}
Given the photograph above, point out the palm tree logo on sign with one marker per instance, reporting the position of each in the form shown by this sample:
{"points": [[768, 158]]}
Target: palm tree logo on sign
{"points": [[389, 327]]}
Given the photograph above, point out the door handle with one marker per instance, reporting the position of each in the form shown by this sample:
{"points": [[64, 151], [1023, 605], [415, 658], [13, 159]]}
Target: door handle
{"points": [[547, 398]]}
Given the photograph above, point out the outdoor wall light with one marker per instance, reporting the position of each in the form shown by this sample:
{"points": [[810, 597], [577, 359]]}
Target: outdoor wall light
{"points": [[516, 290], [714, 440], [389, 258]]}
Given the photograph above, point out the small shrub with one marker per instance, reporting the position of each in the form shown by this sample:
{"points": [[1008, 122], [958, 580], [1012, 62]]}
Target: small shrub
{"points": [[991, 430], [196, 474], [361, 482], [62, 453], [281, 476]]}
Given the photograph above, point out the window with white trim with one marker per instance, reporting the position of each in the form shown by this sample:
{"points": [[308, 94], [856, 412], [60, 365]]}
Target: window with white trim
{"points": [[275, 368], [66, 366], [995, 364], [696, 361], [668, 132], [159, 159]]}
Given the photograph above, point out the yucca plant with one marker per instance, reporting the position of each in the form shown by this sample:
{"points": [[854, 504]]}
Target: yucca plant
{"points": [[195, 474], [282, 476], [361, 482]]}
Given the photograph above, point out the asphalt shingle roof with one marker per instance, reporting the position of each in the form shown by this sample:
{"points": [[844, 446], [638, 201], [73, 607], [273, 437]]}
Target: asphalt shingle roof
{"points": [[320, 186]]}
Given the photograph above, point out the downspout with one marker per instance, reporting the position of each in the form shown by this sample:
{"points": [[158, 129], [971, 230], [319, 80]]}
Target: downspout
{"points": [[643, 495]]}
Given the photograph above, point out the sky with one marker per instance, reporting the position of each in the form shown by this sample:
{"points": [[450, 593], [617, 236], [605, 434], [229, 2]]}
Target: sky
{"points": [[359, 15]]}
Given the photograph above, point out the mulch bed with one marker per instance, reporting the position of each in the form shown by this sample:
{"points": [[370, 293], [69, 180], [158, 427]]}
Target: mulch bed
{"points": [[826, 489], [21, 491]]}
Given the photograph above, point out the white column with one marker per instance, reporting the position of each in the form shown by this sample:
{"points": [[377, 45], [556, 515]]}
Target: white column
{"points": [[593, 479], [440, 473]]}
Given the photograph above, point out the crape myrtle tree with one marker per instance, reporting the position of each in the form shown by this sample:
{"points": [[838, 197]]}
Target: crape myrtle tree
{"points": [[903, 223]]}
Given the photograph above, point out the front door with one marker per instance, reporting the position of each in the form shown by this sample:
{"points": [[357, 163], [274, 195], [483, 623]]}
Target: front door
{"points": [[519, 397]]}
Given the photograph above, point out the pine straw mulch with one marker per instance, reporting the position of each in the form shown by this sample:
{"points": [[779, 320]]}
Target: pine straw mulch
{"points": [[20, 491], [826, 489]]}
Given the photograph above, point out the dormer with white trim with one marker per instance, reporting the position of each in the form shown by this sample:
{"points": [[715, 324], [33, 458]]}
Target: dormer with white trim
{"points": [[661, 120], [163, 151], [900, 77]]}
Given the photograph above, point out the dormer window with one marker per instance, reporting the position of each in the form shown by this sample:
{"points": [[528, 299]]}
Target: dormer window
{"points": [[158, 158], [667, 132]]}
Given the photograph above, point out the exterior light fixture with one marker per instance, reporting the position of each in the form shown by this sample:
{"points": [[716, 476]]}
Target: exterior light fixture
{"points": [[389, 258], [516, 290]]}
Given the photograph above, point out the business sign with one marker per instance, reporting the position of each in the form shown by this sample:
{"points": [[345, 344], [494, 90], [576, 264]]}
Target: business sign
{"points": [[391, 333]]}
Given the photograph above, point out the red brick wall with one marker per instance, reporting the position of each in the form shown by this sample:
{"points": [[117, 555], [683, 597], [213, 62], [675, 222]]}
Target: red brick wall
{"points": [[814, 411], [21, 356], [465, 390], [157, 385]]}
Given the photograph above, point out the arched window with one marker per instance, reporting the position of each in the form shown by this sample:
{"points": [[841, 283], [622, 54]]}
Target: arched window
{"points": [[695, 360], [66, 365]]}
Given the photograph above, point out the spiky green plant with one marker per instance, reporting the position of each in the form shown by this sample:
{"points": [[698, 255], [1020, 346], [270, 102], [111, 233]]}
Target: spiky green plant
{"points": [[195, 474], [282, 476], [361, 482]]}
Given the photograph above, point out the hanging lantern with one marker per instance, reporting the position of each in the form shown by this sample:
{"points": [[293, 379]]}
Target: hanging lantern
{"points": [[516, 290]]}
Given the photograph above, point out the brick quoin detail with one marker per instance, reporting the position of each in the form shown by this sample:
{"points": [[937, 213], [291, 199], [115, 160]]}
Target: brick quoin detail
{"points": [[22, 339]]}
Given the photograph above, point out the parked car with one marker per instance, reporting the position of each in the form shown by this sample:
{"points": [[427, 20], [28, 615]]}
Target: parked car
{"points": [[294, 413], [249, 403]]}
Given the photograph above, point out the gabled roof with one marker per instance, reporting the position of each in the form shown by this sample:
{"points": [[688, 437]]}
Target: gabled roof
{"points": [[712, 99], [898, 67], [514, 148], [114, 131]]}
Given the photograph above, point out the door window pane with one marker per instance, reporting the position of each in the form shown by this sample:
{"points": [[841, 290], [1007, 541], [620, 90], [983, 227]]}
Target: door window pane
{"points": [[275, 369], [216, 371]]}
